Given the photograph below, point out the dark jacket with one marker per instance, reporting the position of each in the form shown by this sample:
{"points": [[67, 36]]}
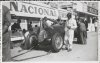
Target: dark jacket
{"points": [[6, 18], [82, 26]]}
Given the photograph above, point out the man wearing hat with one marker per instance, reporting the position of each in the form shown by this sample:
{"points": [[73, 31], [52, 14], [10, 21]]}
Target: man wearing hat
{"points": [[70, 26]]}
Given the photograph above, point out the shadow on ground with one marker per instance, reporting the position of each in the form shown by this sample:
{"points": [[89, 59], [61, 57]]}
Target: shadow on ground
{"points": [[45, 48]]}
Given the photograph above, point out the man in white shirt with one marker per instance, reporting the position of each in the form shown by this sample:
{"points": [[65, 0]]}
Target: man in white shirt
{"points": [[70, 26]]}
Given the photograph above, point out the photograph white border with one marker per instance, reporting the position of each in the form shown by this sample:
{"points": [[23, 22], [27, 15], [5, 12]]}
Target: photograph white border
{"points": [[57, 61]]}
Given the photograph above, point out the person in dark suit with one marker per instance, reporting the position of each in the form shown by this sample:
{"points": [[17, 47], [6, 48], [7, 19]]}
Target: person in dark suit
{"points": [[77, 31], [82, 32], [6, 18], [13, 28], [86, 24], [30, 26], [18, 27]]}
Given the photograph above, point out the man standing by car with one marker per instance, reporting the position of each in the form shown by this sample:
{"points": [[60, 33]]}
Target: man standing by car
{"points": [[6, 18], [70, 26]]}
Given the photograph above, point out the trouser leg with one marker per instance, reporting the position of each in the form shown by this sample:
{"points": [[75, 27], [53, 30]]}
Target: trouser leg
{"points": [[95, 29], [6, 53], [66, 39], [6, 48], [71, 36], [83, 37]]}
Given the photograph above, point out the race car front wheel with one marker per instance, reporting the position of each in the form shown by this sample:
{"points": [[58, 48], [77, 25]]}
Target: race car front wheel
{"points": [[57, 42]]}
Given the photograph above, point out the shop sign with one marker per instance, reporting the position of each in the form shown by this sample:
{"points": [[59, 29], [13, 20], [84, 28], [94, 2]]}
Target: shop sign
{"points": [[92, 10], [32, 10]]}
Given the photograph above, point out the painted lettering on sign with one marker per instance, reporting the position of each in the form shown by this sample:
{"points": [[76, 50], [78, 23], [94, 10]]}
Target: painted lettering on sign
{"points": [[92, 10], [32, 9]]}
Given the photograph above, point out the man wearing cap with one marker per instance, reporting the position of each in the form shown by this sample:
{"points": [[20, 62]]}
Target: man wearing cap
{"points": [[70, 26]]}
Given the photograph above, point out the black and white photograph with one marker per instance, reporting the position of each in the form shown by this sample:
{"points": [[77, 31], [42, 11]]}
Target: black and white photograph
{"points": [[49, 31], [50, 0], [0, 32]]}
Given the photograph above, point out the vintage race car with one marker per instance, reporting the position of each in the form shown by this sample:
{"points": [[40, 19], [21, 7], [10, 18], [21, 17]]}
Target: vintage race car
{"points": [[53, 33]]}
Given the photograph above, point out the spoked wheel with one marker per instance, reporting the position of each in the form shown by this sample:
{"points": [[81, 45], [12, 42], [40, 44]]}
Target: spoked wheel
{"points": [[30, 41], [57, 42]]}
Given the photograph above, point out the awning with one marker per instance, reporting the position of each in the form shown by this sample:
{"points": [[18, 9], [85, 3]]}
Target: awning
{"points": [[88, 13], [24, 9]]}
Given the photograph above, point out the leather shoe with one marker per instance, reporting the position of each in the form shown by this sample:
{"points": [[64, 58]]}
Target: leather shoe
{"points": [[69, 50]]}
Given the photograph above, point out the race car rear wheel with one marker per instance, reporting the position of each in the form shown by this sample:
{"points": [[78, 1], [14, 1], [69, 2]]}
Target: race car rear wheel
{"points": [[57, 42]]}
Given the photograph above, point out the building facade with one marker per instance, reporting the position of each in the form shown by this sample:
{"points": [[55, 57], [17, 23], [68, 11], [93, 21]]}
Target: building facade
{"points": [[88, 10]]}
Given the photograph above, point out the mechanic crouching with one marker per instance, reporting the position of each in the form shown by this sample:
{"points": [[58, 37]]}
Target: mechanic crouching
{"points": [[70, 26]]}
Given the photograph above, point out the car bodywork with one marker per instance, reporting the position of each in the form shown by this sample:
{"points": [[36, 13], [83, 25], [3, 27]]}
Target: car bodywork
{"points": [[54, 33]]}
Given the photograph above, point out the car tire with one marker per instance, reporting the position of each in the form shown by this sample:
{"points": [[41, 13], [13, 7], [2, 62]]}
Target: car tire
{"points": [[57, 42], [30, 41]]}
